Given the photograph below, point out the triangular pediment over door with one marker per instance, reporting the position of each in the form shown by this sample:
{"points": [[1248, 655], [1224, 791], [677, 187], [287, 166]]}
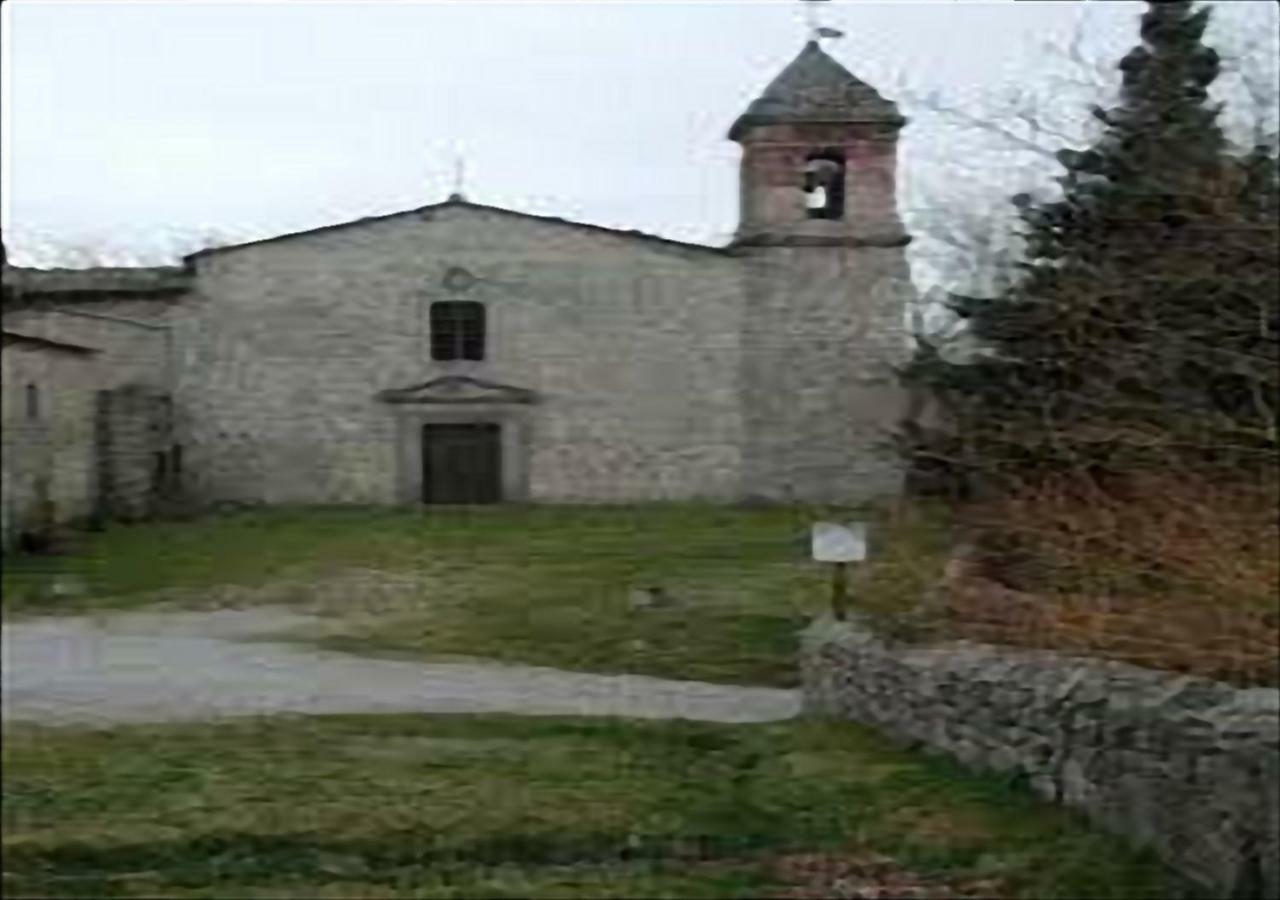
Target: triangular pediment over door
{"points": [[458, 389]]}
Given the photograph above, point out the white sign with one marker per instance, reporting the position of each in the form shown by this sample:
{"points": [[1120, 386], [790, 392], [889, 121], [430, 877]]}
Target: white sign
{"points": [[839, 543]]}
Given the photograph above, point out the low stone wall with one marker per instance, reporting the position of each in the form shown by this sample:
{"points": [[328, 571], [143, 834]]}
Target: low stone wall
{"points": [[1186, 766]]}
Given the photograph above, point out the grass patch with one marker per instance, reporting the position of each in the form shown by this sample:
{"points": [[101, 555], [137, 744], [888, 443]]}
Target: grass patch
{"points": [[462, 806], [539, 585], [903, 570]]}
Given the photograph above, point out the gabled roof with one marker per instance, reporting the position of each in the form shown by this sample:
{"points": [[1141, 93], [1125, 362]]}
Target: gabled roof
{"points": [[30, 340], [814, 88], [457, 202]]}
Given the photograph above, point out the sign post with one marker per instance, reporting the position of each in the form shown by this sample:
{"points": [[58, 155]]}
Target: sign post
{"points": [[839, 545]]}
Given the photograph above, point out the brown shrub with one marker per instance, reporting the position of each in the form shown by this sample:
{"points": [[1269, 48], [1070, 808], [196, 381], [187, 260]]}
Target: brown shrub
{"points": [[1169, 572], [1148, 533]]}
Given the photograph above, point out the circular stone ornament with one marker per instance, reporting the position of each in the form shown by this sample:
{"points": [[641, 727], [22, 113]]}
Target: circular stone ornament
{"points": [[457, 278]]}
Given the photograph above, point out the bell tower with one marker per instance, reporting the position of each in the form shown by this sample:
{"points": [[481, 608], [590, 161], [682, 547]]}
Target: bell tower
{"points": [[819, 159], [825, 286]]}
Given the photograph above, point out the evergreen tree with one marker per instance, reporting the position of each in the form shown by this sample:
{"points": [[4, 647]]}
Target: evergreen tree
{"points": [[1144, 322]]}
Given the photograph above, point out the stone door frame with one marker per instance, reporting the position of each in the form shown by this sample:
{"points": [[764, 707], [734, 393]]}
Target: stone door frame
{"points": [[460, 400], [513, 430]]}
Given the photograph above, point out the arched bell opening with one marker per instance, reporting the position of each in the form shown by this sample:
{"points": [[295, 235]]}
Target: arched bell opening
{"points": [[824, 175]]}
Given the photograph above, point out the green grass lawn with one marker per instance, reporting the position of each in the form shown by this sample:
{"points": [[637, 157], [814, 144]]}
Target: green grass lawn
{"points": [[539, 585], [461, 806]]}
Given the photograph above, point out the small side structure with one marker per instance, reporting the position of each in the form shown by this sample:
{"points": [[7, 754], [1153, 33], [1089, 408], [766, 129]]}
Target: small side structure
{"points": [[1185, 766], [47, 469], [87, 415]]}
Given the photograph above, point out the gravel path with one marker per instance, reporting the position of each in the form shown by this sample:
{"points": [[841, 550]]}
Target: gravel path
{"points": [[150, 667]]}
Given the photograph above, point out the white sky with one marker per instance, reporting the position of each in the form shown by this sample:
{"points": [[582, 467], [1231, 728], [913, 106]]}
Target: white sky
{"points": [[132, 129]]}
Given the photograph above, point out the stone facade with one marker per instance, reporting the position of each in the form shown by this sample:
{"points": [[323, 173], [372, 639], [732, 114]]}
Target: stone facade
{"points": [[822, 332], [130, 334], [617, 366], [1186, 766], [631, 348]]}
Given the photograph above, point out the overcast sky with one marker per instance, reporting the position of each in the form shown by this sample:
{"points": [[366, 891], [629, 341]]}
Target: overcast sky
{"points": [[133, 129]]}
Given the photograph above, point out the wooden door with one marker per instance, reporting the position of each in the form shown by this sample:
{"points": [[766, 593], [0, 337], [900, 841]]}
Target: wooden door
{"points": [[461, 463]]}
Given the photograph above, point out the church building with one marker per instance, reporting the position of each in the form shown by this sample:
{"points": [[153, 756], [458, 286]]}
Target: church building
{"points": [[463, 353]]}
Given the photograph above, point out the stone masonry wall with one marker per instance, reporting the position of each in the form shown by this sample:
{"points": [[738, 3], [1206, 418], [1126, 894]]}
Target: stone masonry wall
{"points": [[631, 345], [822, 334], [46, 457], [99, 461], [773, 160], [130, 336], [1183, 765], [825, 307]]}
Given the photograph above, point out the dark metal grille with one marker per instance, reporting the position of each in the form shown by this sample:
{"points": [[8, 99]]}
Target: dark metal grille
{"points": [[457, 330]]}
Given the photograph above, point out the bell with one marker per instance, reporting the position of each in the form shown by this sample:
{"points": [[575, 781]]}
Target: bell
{"points": [[824, 170]]}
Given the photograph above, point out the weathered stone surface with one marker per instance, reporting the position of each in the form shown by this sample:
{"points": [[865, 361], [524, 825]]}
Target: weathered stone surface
{"points": [[1186, 766], [660, 372], [45, 468], [630, 346]]}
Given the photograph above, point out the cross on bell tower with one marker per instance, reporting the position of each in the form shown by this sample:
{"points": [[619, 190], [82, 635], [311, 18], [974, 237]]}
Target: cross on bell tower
{"points": [[816, 29]]}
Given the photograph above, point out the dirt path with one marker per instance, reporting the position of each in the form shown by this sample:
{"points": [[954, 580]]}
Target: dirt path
{"points": [[148, 667]]}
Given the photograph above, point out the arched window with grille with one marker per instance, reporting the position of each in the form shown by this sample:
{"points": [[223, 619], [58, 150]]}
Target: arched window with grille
{"points": [[457, 330]]}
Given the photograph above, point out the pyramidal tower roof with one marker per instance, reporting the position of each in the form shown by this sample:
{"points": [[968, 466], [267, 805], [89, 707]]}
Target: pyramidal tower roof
{"points": [[815, 88]]}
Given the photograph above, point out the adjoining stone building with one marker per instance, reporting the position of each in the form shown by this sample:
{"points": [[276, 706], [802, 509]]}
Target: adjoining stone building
{"points": [[85, 409], [464, 353], [47, 461]]}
